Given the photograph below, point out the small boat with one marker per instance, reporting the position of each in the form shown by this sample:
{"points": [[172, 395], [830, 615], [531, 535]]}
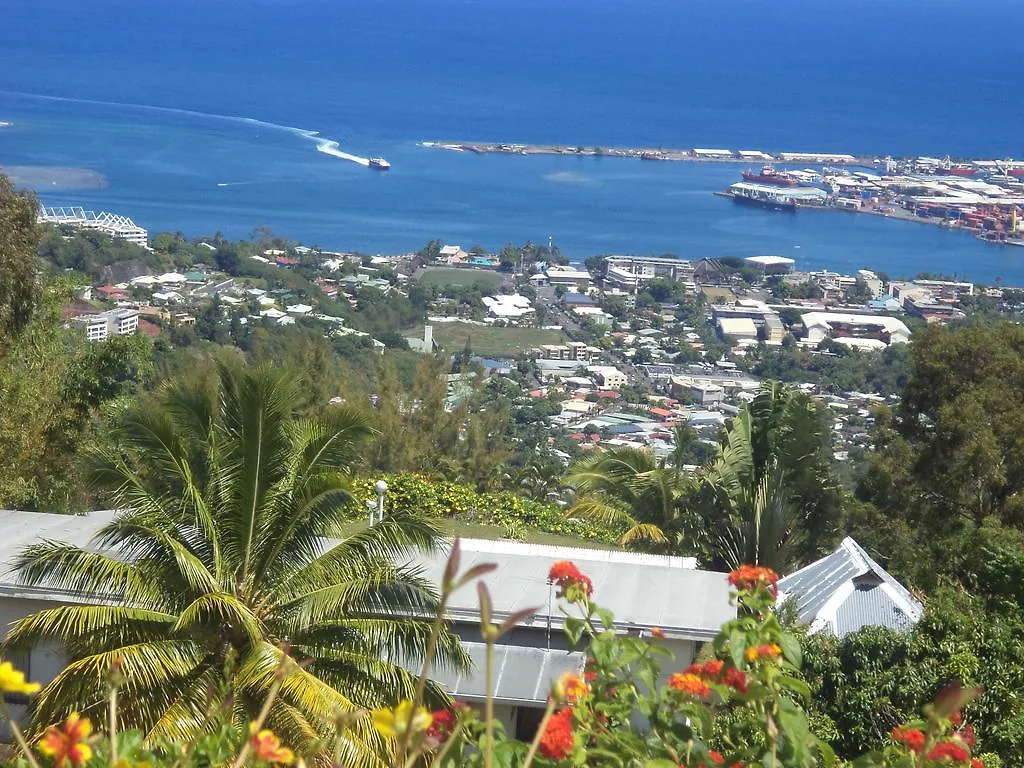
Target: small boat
{"points": [[380, 164]]}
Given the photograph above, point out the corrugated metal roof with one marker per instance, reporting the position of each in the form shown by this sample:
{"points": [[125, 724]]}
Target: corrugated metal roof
{"points": [[521, 674], [642, 591], [848, 590]]}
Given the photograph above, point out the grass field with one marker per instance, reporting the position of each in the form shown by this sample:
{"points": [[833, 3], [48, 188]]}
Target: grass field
{"points": [[445, 276], [490, 342]]}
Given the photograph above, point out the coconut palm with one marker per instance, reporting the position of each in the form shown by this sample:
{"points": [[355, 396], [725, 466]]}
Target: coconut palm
{"points": [[232, 548], [632, 487], [768, 490]]}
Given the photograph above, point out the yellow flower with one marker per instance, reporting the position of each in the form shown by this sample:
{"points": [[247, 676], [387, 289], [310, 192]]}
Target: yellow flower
{"points": [[393, 723], [13, 681]]}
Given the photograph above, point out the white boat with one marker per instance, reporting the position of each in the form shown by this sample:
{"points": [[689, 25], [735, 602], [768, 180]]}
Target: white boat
{"points": [[380, 164]]}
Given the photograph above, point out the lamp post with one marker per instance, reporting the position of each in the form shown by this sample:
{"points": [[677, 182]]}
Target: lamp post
{"points": [[371, 508], [382, 488]]}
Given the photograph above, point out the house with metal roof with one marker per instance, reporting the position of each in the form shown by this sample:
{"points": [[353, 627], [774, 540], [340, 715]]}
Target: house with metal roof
{"points": [[643, 591], [846, 591]]}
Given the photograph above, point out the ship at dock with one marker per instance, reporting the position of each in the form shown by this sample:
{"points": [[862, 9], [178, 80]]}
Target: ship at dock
{"points": [[379, 164], [775, 198], [770, 176]]}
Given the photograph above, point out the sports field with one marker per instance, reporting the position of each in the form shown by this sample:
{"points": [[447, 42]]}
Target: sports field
{"points": [[490, 342], [449, 276]]}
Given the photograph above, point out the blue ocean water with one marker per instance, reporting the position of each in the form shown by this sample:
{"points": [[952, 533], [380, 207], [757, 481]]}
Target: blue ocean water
{"points": [[198, 113]]}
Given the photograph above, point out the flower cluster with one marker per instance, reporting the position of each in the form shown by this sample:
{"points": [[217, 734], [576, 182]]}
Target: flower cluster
{"points": [[392, 723], [716, 672], [558, 738], [911, 738], [13, 681], [442, 723], [267, 748], [949, 750], [747, 578], [690, 684], [766, 651], [67, 744], [570, 688], [571, 582]]}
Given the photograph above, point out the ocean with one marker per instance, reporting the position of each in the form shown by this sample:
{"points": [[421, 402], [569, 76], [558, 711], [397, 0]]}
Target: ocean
{"points": [[214, 115]]}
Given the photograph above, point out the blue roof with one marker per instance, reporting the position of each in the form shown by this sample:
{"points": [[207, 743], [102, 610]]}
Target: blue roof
{"points": [[578, 298]]}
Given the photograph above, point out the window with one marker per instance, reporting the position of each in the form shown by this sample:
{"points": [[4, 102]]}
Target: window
{"points": [[527, 722]]}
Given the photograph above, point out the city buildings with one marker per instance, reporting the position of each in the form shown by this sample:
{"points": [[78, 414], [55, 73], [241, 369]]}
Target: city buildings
{"points": [[629, 273], [103, 325]]}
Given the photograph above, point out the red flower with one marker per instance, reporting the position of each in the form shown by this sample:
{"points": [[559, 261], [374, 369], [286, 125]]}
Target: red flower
{"points": [[713, 668], [747, 578], [441, 724], [911, 738], [956, 718], [735, 679], [716, 757], [557, 740], [949, 750], [976, 763], [566, 575], [689, 684]]}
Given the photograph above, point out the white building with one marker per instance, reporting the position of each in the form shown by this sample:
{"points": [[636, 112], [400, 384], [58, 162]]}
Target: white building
{"points": [[609, 376], [113, 322], [511, 308], [819, 326], [110, 224], [628, 273], [642, 591], [567, 277]]}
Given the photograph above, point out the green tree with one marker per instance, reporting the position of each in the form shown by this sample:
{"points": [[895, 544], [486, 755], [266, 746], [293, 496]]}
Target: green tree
{"points": [[769, 492], [19, 266], [632, 486], [233, 547]]}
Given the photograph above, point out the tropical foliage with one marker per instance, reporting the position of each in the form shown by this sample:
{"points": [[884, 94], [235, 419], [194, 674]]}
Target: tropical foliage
{"points": [[766, 497], [233, 547]]}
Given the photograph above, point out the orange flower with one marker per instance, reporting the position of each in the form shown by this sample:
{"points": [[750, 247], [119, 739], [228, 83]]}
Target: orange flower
{"points": [[747, 578], [713, 668], [689, 684], [67, 744], [658, 633], [267, 747], [558, 738], [570, 688], [770, 650]]}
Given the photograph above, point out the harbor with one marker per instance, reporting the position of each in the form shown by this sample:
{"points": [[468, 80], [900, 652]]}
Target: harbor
{"points": [[984, 197]]}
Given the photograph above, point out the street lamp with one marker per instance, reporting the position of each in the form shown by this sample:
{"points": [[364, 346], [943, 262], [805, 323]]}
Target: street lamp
{"points": [[371, 508], [382, 488]]}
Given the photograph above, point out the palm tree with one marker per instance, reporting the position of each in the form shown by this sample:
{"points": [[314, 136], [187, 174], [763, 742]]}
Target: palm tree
{"points": [[771, 496], [232, 548], [633, 487]]}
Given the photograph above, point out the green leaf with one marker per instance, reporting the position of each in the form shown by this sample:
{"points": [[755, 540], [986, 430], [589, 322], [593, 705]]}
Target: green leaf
{"points": [[660, 763], [797, 686], [574, 629], [791, 649], [737, 646]]}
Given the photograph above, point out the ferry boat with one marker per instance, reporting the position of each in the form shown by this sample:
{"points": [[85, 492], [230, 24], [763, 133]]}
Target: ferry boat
{"points": [[769, 175], [380, 164]]}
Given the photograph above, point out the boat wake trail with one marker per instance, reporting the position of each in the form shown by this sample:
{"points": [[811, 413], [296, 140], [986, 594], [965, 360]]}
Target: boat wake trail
{"points": [[331, 148], [327, 146]]}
